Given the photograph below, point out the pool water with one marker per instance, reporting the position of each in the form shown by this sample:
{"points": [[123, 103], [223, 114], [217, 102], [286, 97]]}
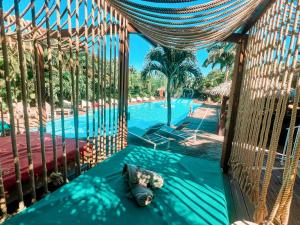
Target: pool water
{"points": [[148, 114], [141, 115]]}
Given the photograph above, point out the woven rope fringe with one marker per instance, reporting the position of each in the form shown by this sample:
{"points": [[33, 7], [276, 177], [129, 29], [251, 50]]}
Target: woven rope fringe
{"points": [[269, 75], [41, 43]]}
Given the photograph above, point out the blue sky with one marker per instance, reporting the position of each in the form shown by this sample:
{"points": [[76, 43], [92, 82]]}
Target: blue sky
{"points": [[139, 47]]}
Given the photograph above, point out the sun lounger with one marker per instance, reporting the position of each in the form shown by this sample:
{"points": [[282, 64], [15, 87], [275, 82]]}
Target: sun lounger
{"points": [[67, 104], [114, 101], [86, 103], [295, 143], [177, 133], [133, 100], [67, 112], [152, 98], [101, 102], [48, 110], [146, 99], [150, 135], [139, 99]]}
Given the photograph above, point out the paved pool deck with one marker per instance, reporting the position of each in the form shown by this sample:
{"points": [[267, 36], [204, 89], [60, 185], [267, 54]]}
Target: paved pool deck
{"points": [[207, 144]]}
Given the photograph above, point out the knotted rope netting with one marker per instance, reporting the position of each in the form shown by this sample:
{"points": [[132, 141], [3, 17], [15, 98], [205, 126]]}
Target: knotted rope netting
{"points": [[271, 71], [89, 40], [189, 24], [53, 42]]}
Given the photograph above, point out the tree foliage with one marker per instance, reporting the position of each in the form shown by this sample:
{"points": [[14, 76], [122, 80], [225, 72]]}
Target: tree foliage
{"points": [[176, 65], [15, 78], [213, 79], [222, 55], [139, 87]]}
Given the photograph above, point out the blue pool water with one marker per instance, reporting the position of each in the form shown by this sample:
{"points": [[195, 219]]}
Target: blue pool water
{"points": [[142, 115]]}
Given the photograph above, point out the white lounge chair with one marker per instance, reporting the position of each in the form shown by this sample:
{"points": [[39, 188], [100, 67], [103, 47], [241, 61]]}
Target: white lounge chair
{"points": [[133, 100], [48, 110], [101, 102], [283, 155], [183, 135], [67, 104], [84, 103], [114, 101], [152, 98], [178, 133], [150, 135], [67, 112], [146, 99], [139, 99]]}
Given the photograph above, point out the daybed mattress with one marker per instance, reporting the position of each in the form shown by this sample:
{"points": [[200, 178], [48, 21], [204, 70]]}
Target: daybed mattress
{"points": [[193, 193], [7, 161]]}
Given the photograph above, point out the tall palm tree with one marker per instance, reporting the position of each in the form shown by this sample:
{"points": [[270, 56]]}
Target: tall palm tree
{"points": [[175, 65], [222, 55]]}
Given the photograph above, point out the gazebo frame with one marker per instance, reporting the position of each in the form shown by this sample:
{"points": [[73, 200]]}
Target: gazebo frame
{"points": [[244, 148]]}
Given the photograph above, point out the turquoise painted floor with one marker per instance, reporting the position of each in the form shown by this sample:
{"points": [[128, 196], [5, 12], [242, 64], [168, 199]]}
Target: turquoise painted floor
{"points": [[193, 193]]}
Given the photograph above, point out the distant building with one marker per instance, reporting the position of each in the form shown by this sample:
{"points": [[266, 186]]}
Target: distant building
{"points": [[161, 91]]}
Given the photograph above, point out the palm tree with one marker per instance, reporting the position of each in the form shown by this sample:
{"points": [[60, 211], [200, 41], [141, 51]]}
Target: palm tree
{"points": [[222, 55], [175, 65]]}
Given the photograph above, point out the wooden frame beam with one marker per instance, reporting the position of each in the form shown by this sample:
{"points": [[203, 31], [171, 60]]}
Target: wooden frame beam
{"points": [[258, 12], [234, 103], [236, 38], [233, 38]]}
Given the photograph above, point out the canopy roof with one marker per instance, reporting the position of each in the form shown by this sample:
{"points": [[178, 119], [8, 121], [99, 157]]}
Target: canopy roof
{"points": [[222, 89], [187, 24], [190, 24]]}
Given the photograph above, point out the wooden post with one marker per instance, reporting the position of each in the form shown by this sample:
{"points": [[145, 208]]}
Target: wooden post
{"points": [[126, 75], [222, 119], [120, 84], [39, 85], [123, 83], [3, 207], [2, 118], [9, 100], [40, 51], [234, 102]]}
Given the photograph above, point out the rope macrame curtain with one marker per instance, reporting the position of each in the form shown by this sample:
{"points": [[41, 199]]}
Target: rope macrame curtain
{"points": [[46, 45], [65, 68], [270, 72], [190, 25]]}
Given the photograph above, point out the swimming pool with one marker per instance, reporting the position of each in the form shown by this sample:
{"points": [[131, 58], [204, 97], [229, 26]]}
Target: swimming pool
{"points": [[141, 115]]}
